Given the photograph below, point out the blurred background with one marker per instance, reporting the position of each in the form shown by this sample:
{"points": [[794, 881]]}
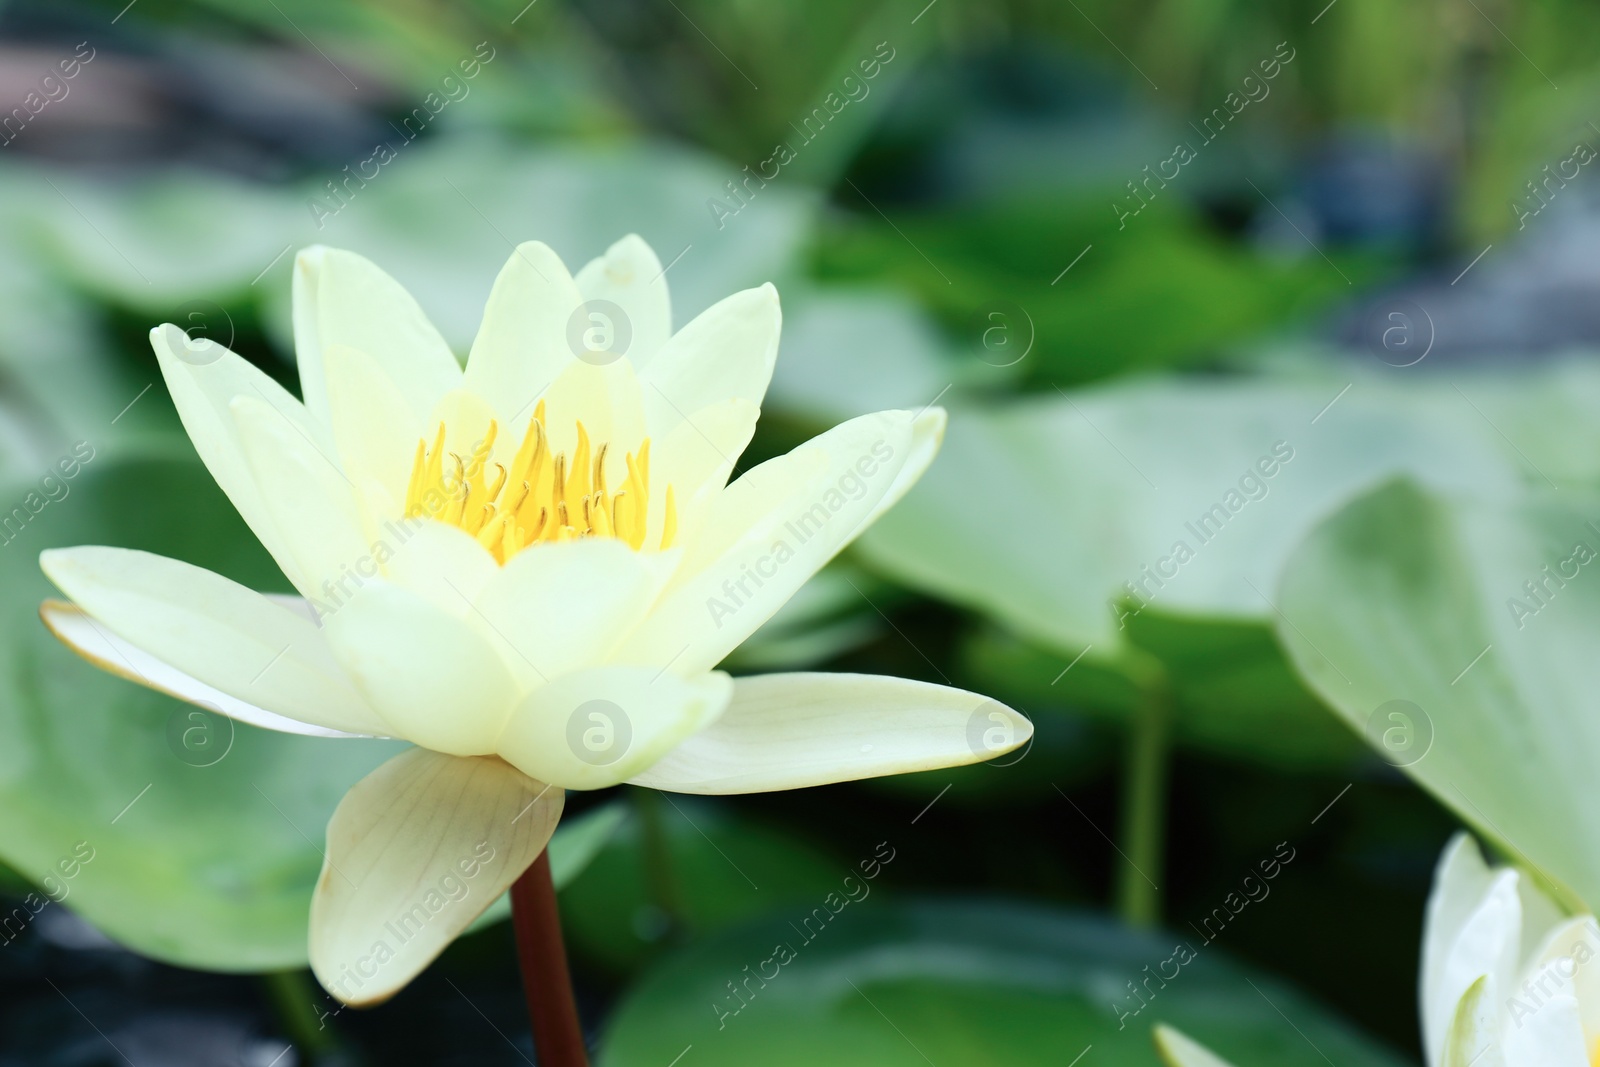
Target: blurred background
{"points": [[1134, 247]]}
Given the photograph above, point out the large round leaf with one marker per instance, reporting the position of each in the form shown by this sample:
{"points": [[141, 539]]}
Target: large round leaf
{"points": [[441, 216], [1045, 512], [1461, 638], [960, 984]]}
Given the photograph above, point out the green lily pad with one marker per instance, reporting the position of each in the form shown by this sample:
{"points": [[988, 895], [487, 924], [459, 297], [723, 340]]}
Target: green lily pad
{"points": [[1459, 637], [997, 982], [442, 216], [1233, 693], [1045, 512], [1148, 521]]}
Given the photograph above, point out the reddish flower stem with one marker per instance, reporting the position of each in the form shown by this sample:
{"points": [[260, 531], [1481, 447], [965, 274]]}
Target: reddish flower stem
{"points": [[557, 1035]]}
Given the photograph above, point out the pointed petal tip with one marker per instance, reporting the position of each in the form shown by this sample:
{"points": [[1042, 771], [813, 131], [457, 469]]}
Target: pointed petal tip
{"points": [[51, 560], [537, 249], [630, 242]]}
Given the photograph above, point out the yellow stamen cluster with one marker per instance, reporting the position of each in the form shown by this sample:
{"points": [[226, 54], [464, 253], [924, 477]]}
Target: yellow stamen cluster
{"points": [[545, 496]]}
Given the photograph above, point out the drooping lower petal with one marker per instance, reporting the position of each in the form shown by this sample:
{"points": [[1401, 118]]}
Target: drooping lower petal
{"points": [[791, 731], [416, 851], [202, 638]]}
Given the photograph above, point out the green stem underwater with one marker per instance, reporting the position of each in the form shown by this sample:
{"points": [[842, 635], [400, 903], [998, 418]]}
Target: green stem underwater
{"points": [[656, 853], [1144, 805], [542, 957], [296, 1000]]}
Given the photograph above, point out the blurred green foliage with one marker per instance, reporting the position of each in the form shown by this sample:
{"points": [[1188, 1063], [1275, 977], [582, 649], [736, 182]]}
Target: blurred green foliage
{"points": [[953, 236]]}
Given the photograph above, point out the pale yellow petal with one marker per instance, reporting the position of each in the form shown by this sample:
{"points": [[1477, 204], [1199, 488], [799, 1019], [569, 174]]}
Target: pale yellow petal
{"points": [[769, 532], [204, 378], [375, 429], [628, 280], [313, 504], [522, 344], [427, 673], [444, 565], [202, 638], [793, 731], [559, 607], [341, 298], [726, 353], [598, 727]]}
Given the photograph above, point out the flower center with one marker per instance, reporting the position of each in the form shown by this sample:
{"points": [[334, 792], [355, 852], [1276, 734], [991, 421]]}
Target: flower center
{"points": [[544, 496]]}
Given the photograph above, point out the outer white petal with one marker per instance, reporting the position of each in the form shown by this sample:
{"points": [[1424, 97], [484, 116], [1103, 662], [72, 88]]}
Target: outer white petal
{"points": [[1178, 1050], [790, 731], [522, 344], [1461, 880], [557, 608], [201, 637], [1550, 1036], [1473, 1037], [204, 378], [927, 435], [599, 727], [341, 298], [427, 673], [416, 851], [78, 630], [769, 532], [727, 352], [629, 275], [1488, 943], [311, 501]]}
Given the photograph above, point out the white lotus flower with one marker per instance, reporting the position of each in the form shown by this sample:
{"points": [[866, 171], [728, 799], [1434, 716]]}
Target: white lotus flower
{"points": [[1507, 979], [529, 569]]}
